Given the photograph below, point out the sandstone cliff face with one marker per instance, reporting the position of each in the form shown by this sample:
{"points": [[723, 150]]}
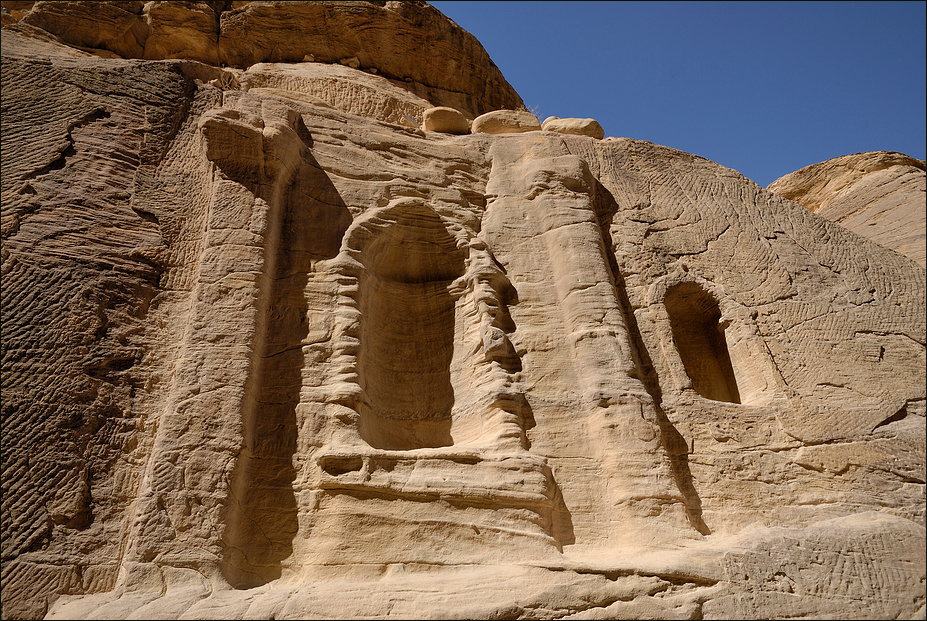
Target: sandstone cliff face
{"points": [[270, 350], [410, 44], [879, 195]]}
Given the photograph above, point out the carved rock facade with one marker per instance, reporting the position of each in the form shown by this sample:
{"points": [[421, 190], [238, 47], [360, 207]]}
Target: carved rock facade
{"points": [[273, 353]]}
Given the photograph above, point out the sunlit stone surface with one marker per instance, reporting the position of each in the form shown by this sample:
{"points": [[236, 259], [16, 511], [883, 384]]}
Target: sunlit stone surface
{"points": [[271, 350]]}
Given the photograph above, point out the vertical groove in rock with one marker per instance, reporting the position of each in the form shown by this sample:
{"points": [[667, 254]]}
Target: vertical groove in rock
{"points": [[673, 443]]}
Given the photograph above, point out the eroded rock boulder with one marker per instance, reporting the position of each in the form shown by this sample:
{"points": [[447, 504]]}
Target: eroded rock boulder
{"points": [[446, 120], [577, 127], [505, 122]]}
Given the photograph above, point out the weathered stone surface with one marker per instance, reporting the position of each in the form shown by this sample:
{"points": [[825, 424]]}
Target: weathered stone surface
{"points": [[268, 352], [182, 30], [446, 120], [879, 194], [409, 43], [335, 86], [505, 122], [116, 27], [578, 127]]}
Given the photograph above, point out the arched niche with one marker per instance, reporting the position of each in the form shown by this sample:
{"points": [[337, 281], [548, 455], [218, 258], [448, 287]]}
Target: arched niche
{"points": [[406, 337], [700, 340]]}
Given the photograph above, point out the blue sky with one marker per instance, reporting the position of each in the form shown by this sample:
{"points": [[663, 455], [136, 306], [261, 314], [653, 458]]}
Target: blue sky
{"points": [[762, 87]]}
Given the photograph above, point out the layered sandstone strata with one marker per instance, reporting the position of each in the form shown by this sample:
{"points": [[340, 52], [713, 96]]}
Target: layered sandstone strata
{"points": [[879, 195], [271, 350]]}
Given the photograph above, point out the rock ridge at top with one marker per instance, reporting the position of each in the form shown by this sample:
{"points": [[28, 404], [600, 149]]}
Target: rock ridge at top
{"points": [[406, 42]]}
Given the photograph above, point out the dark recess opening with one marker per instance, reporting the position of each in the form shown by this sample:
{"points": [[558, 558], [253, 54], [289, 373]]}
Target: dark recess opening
{"points": [[694, 319], [407, 340]]}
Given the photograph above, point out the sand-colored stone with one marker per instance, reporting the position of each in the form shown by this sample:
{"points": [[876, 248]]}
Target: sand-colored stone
{"points": [[115, 27], [336, 86], [881, 195], [446, 120], [505, 122], [409, 43], [577, 127], [182, 30], [268, 352]]}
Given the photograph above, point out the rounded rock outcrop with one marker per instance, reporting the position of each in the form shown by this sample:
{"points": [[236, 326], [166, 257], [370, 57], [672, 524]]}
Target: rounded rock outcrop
{"points": [[445, 120], [878, 194], [505, 122], [577, 127]]}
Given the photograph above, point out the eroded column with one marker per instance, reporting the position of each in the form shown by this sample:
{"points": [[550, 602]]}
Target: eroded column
{"points": [[183, 514], [547, 197]]}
